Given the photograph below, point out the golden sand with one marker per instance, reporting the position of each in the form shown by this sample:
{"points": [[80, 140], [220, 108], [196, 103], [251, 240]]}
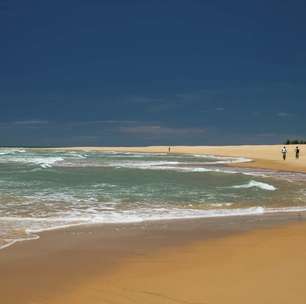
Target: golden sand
{"points": [[266, 266], [193, 261]]}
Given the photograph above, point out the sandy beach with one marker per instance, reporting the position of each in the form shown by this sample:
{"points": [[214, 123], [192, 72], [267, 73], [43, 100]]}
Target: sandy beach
{"points": [[142, 154], [262, 156], [249, 259], [255, 259]]}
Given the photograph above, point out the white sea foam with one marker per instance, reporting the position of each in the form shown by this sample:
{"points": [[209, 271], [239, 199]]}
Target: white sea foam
{"points": [[143, 214], [220, 204], [196, 169], [223, 159], [174, 166], [44, 162], [77, 155], [255, 184], [36, 225], [160, 165], [11, 151]]}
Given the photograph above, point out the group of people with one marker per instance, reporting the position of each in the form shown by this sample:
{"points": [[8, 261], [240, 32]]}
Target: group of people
{"points": [[285, 152]]}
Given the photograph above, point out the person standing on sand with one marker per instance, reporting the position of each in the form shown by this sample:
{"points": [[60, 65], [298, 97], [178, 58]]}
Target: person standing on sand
{"points": [[284, 152], [169, 149], [297, 152]]}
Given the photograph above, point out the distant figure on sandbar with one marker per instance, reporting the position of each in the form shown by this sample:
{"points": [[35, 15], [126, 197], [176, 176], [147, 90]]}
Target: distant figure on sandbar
{"points": [[284, 152], [297, 152], [169, 149]]}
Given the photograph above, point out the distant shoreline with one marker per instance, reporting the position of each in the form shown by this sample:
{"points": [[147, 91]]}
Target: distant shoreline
{"points": [[263, 156]]}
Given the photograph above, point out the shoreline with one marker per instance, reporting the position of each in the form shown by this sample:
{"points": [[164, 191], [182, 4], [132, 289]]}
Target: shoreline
{"points": [[294, 212], [262, 156]]}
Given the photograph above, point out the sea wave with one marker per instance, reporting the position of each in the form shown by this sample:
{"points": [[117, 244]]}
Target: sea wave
{"points": [[44, 162], [179, 167], [11, 151], [32, 226], [142, 215], [223, 159], [256, 184]]}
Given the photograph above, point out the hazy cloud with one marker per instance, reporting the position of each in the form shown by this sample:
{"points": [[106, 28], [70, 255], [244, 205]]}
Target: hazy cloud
{"points": [[30, 122], [284, 114], [161, 130]]}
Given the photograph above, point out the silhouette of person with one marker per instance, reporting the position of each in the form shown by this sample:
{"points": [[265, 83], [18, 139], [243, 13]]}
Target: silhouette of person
{"points": [[297, 152], [284, 152], [169, 149]]}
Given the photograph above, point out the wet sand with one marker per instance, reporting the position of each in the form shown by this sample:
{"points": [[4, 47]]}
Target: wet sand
{"points": [[260, 259], [258, 267]]}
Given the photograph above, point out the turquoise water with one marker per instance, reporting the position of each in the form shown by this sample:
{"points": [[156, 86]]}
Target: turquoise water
{"points": [[45, 190]]}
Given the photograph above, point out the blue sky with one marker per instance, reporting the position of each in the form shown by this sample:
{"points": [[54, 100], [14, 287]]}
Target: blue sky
{"points": [[151, 72]]}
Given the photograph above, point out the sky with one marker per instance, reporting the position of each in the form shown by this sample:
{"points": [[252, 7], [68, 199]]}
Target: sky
{"points": [[129, 72]]}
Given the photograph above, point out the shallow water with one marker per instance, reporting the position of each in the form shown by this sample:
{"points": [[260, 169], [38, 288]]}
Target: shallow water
{"points": [[45, 190]]}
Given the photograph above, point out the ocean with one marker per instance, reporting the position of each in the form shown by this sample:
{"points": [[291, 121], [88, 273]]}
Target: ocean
{"points": [[44, 189]]}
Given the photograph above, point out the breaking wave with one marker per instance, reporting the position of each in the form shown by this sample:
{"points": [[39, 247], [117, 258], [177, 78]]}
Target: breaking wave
{"points": [[255, 184]]}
